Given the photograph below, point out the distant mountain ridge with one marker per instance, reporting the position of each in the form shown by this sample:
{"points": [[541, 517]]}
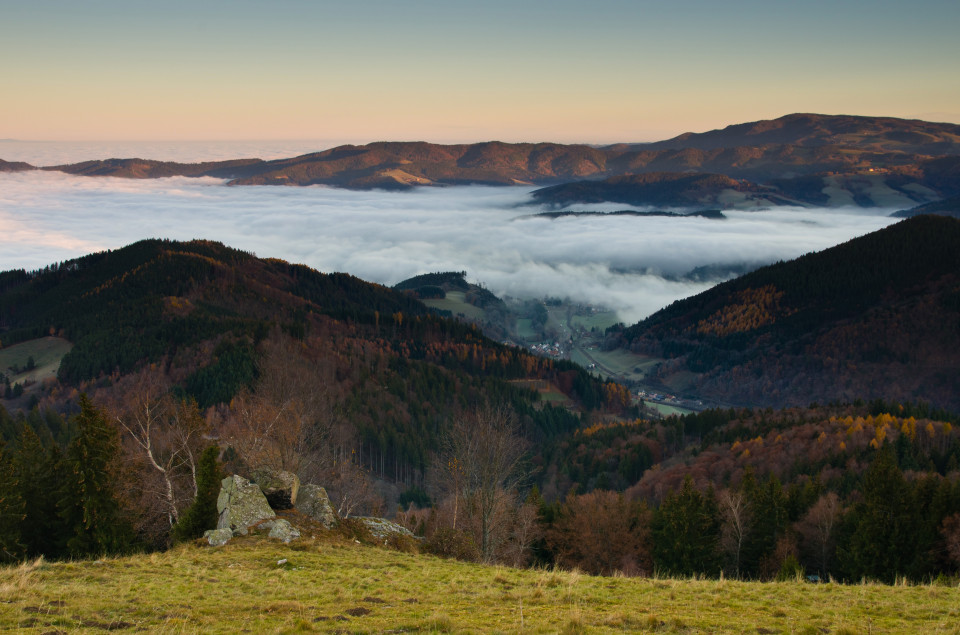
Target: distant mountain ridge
{"points": [[813, 130], [807, 159]]}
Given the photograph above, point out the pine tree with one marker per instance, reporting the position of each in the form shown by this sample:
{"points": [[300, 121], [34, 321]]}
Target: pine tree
{"points": [[89, 505], [11, 510], [202, 514], [686, 532], [881, 528], [38, 471]]}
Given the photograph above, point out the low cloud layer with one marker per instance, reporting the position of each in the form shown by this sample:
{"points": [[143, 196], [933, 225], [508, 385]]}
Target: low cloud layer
{"points": [[634, 265]]}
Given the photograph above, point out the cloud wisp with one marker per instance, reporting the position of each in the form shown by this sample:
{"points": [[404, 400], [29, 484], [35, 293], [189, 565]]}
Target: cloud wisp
{"points": [[632, 264]]}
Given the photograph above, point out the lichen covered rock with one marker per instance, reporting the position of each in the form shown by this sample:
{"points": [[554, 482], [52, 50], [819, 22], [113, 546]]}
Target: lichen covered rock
{"points": [[283, 531], [241, 504], [218, 537], [382, 528], [313, 501]]}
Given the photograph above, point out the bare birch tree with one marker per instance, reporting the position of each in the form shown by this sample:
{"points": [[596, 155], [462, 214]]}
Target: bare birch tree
{"points": [[167, 434], [736, 519]]}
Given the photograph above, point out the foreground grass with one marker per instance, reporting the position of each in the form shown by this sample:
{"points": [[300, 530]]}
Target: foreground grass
{"points": [[346, 587]]}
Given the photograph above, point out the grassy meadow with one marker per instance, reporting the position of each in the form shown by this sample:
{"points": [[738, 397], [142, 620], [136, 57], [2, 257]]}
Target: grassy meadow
{"points": [[456, 303], [324, 585], [46, 353]]}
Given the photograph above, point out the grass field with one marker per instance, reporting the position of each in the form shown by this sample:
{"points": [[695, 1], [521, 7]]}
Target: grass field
{"points": [[46, 352], [667, 410], [624, 363], [455, 303], [344, 587], [524, 330], [600, 320]]}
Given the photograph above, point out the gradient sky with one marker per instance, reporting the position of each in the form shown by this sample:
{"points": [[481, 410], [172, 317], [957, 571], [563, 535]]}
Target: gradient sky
{"points": [[452, 70]]}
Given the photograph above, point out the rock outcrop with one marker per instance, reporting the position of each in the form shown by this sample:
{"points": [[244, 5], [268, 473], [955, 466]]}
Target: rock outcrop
{"points": [[313, 501], [280, 487], [382, 529], [241, 504]]}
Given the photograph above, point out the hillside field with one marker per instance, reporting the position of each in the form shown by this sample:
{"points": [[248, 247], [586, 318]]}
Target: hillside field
{"points": [[456, 303], [324, 585], [46, 352]]}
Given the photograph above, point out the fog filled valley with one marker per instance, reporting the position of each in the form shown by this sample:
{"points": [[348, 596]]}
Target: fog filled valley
{"points": [[633, 265]]}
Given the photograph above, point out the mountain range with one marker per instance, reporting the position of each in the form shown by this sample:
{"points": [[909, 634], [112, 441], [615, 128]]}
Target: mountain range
{"points": [[804, 159]]}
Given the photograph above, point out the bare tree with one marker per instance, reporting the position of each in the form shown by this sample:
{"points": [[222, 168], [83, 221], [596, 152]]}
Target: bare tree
{"points": [[349, 486], [167, 433], [483, 453], [285, 422], [735, 512], [818, 529]]}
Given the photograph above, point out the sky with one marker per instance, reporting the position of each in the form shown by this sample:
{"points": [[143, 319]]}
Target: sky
{"points": [[461, 71]]}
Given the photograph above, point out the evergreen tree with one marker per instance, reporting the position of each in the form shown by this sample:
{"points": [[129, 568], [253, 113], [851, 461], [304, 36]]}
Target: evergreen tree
{"points": [[89, 506], [768, 506], [880, 530], [686, 532], [38, 472], [202, 514], [11, 510]]}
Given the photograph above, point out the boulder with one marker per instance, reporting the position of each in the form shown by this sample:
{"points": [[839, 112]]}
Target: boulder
{"points": [[218, 537], [241, 504], [382, 529], [280, 487], [313, 501], [284, 531]]}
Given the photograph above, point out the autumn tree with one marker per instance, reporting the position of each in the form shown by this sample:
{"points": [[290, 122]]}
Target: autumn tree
{"points": [[601, 532]]}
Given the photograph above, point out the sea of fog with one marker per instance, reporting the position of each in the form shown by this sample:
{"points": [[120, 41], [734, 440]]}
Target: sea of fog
{"points": [[634, 265]]}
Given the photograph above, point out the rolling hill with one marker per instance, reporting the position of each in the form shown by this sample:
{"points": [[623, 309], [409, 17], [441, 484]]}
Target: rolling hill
{"points": [[878, 316], [802, 158], [196, 316]]}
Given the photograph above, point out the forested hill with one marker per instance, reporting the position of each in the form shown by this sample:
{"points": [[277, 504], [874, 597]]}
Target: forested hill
{"points": [[149, 299], [197, 318], [878, 316]]}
